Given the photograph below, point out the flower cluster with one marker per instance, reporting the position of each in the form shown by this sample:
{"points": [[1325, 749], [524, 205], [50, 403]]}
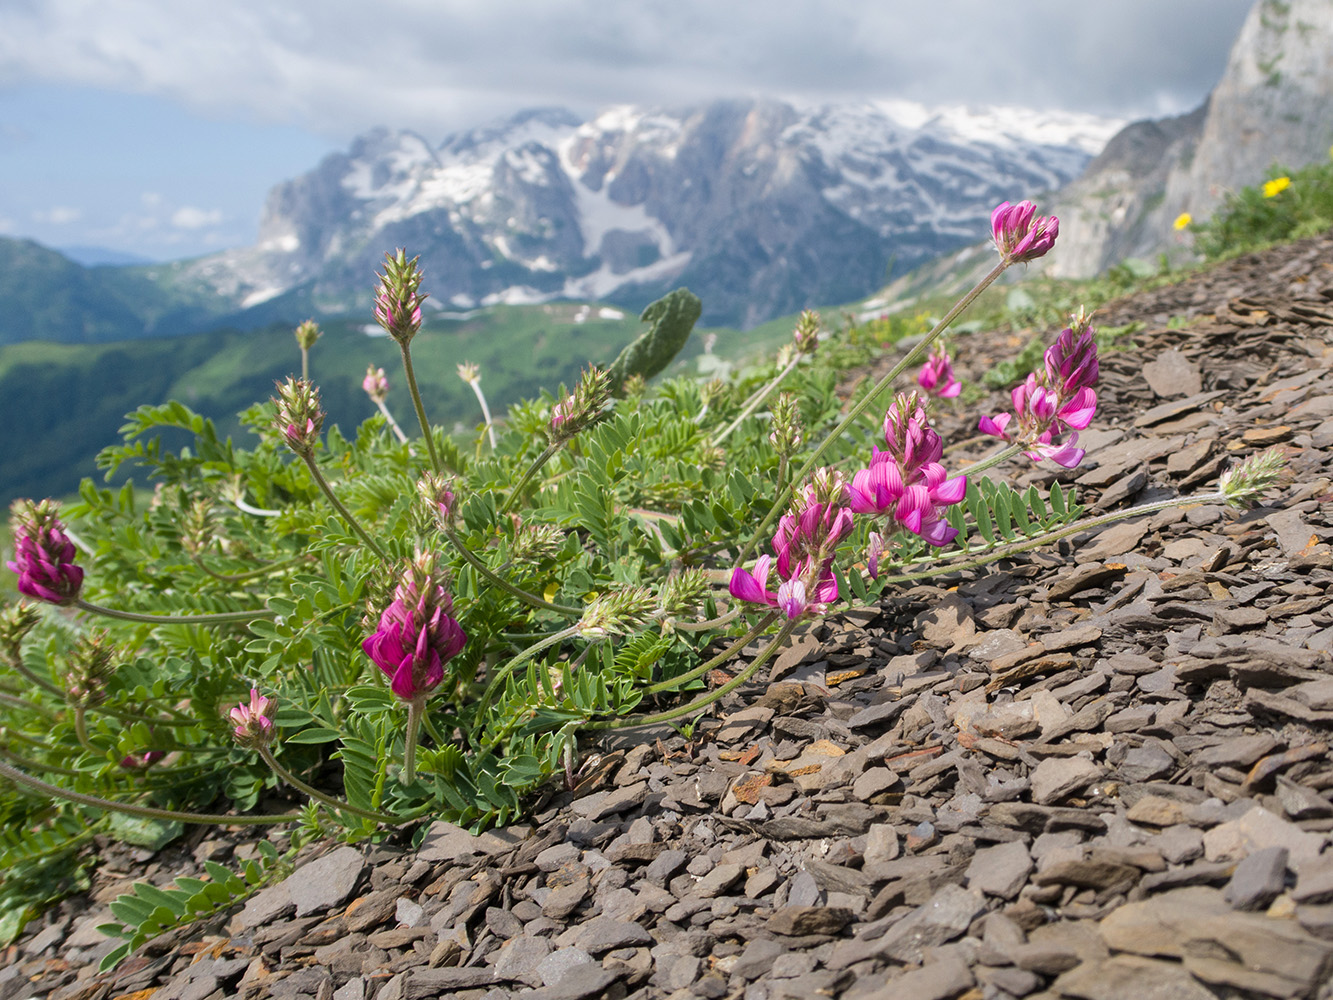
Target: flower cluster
{"points": [[804, 543], [906, 482], [307, 333], [376, 384], [581, 407], [398, 299], [1056, 400], [806, 336], [254, 727], [1020, 234], [936, 376], [417, 633], [43, 554], [300, 415]]}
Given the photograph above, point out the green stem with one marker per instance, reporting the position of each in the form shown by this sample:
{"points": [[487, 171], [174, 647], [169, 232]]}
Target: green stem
{"points": [[305, 364], [343, 512], [414, 707], [555, 637], [417, 405], [218, 618], [699, 704], [712, 623], [17, 665], [250, 575], [55, 791], [319, 796], [81, 730], [37, 766], [1003, 455], [7, 699], [673, 683], [854, 414], [522, 595], [754, 401], [533, 469], [251, 509]]}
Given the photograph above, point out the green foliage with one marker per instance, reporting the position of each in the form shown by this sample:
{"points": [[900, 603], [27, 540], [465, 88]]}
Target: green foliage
{"points": [[1270, 213], [672, 319], [148, 911]]}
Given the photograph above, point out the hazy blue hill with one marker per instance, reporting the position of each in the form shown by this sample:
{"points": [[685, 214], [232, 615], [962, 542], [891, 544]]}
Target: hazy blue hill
{"points": [[46, 296], [62, 403]]}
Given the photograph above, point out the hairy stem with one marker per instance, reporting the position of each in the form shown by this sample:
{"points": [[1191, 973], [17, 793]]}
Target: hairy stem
{"points": [[319, 796], [411, 376], [343, 512], [472, 560], [674, 683], [754, 402], [393, 424], [217, 618], [533, 469], [55, 791]]}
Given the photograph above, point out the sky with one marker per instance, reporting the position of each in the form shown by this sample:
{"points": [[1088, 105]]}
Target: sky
{"points": [[157, 127]]}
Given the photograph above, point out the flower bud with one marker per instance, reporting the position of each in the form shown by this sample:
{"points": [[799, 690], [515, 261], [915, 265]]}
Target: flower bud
{"points": [[786, 435], [1244, 483], [617, 613], [254, 722], [1020, 234], [43, 553], [438, 494], [469, 373], [307, 333], [397, 299], [299, 415], [89, 666], [806, 337], [417, 633], [581, 407], [376, 384]]}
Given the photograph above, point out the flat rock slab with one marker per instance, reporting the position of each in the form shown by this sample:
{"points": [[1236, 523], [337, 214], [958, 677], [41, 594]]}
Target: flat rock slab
{"points": [[325, 882]]}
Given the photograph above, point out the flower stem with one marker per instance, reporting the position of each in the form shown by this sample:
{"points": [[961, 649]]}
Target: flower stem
{"points": [[414, 708], [346, 514], [754, 401], [981, 465], [217, 618], [81, 730], [555, 637], [393, 424], [55, 791], [253, 574], [38, 766], [485, 410], [319, 796], [17, 665], [533, 469], [411, 376], [471, 559], [855, 412], [699, 704], [251, 509], [674, 683]]}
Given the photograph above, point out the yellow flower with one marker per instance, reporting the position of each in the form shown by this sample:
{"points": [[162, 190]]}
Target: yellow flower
{"points": [[1276, 186], [1183, 220]]}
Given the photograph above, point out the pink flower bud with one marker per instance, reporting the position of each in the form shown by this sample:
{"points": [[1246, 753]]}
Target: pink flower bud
{"points": [[43, 554], [254, 727], [1020, 234]]}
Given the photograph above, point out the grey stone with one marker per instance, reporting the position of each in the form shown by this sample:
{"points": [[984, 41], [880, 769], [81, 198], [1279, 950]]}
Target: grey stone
{"points": [[719, 880], [1131, 976], [603, 934], [665, 865], [1258, 880], [325, 882], [1058, 777], [447, 842], [1315, 884], [945, 916], [757, 958], [554, 966], [1146, 763], [940, 980], [520, 958], [804, 890], [1001, 870]]}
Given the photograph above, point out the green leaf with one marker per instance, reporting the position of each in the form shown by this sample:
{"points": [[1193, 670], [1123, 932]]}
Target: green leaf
{"points": [[114, 957], [142, 831], [162, 899], [1058, 499], [315, 734], [673, 317]]}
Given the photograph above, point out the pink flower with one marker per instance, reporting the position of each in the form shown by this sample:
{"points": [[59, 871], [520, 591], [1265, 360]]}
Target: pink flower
{"points": [[397, 299], [791, 596], [1020, 235], [417, 634], [907, 481], [253, 725], [139, 761], [936, 376], [874, 549], [1050, 403], [376, 384], [43, 554]]}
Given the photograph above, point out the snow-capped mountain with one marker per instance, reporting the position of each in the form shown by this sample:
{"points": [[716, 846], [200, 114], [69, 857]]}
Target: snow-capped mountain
{"points": [[761, 208]]}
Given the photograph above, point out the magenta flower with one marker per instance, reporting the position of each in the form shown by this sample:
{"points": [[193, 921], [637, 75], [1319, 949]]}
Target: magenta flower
{"points": [[43, 554], [254, 728], [791, 596], [874, 549], [1020, 234], [1052, 402], [140, 761], [907, 482], [376, 384], [936, 376], [417, 633]]}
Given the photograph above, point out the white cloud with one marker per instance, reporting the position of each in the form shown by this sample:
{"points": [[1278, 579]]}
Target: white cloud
{"points": [[436, 65], [189, 217], [58, 215]]}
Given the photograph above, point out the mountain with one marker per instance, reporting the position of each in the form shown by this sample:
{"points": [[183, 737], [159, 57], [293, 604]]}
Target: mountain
{"points": [[758, 206], [102, 256], [1272, 107]]}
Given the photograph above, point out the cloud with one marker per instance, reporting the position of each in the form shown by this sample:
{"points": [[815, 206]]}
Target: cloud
{"points": [[189, 217], [58, 215], [437, 65]]}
